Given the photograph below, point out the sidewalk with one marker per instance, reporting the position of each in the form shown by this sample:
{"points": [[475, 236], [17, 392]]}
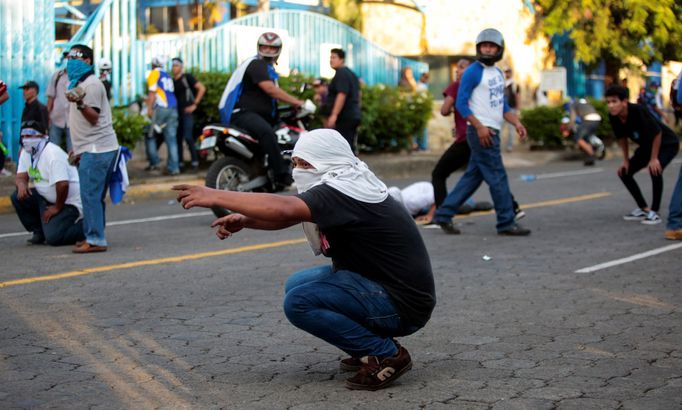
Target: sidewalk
{"points": [[144, 184]]}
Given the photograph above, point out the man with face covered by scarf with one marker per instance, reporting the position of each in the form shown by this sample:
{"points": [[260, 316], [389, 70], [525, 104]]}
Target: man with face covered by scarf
{"points": [[379, 285], [94, 144], [52, 209]]}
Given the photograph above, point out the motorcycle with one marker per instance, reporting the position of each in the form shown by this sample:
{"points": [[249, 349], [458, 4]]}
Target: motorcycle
{"points": [[240, 163], [597, 144]]}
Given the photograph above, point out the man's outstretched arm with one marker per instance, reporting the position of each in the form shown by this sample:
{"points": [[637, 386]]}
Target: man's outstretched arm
{"points": [[258, 206]]}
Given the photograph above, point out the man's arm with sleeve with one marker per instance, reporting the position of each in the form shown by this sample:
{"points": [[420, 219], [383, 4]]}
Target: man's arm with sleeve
{"points": [[277, 93], [260, 206]]}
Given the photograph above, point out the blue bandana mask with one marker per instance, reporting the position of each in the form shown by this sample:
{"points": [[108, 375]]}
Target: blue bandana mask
{"points": [[76, 70]]}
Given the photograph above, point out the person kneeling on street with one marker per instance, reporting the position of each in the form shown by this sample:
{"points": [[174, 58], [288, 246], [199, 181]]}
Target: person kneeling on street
{"points": [[52, 209], [375, 249]]}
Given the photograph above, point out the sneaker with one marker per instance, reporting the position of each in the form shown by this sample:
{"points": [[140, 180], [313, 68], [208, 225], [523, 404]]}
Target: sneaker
{"points": [[674, 235], [515, 230], [152, 168], [519, 214], [36, 239], [5, 173], [652, 218], [448, 228], [636, 215], [589, 161], [377, 373]]}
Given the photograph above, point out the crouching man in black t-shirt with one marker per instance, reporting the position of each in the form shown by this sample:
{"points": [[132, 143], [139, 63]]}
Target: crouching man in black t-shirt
{"points": [[379, 285], [657, 146]]}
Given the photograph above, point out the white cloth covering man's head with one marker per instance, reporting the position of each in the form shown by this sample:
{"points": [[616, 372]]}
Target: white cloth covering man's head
{"points": [[335, 165]]}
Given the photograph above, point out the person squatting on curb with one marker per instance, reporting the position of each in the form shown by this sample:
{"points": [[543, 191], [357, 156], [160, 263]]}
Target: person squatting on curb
{"points": [[374, 245]]}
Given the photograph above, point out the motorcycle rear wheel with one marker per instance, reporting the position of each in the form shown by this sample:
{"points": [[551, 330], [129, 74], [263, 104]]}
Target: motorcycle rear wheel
{"points": [[227, 173]]}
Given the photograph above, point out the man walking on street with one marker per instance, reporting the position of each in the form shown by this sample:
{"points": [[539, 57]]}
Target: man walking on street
{"points": [[162, 108], [512, 93], [458, 154], [52, 209], [94, 142], [188, 92], [344, 99], [379, 285], [481, 101], [658, 145], [58, 107]]}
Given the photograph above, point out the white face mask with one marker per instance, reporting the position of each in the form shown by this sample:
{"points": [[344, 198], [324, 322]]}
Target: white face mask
{"points": [[306, 178], [31, 144]]}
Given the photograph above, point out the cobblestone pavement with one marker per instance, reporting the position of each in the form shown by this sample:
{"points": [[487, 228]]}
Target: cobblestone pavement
{"points": [[520, 330]]}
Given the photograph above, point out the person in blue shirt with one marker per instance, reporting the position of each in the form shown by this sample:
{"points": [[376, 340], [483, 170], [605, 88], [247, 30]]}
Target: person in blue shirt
{"points": [[481, 101]]}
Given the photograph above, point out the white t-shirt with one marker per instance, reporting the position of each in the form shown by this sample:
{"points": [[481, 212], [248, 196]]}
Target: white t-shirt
{"points": [[85, 136], [418, 197], [53, 166], [487, 99]]}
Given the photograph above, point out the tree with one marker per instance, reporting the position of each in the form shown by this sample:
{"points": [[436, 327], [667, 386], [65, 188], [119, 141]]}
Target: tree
{"points": [[347, 11], [613, 30]]}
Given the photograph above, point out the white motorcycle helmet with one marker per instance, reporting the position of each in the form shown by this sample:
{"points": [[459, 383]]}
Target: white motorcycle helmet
{"points": [[159, 61], [104, 64], [270, 39]]}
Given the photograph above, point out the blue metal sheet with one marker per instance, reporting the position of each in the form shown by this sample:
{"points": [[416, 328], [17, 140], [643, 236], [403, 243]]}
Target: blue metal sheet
{"points": [[26, 53]]}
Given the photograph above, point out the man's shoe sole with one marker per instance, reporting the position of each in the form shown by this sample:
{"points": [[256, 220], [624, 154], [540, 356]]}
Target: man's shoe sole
{"points": [[386, 383], [634, 218]]}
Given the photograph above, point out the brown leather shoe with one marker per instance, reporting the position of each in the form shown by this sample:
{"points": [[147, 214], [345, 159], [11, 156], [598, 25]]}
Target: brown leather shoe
{"points": [[87, 248], [379, 373], [80, 243], [351, 364], [674, 234]]}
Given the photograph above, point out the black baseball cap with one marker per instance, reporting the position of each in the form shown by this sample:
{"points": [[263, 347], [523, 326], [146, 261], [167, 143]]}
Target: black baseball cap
{"points": [[177, 60], [30, 84]]}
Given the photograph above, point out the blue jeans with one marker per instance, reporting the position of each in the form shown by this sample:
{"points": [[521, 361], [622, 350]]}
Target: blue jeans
{"points": [[186, 133], [65, 228], [57, 134], [675, 211], [168, 119], [486, 165], [344, 309], [94, 171]]}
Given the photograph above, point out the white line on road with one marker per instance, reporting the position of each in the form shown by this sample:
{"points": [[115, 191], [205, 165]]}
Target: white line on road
{"points": [[131, 221], [569, 173], [629, 258]]}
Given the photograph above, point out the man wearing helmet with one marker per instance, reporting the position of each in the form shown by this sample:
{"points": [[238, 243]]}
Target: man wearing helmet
{"points": [[481, 101], [250, 102]]}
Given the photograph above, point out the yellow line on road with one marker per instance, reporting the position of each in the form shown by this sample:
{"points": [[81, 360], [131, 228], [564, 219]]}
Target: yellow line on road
{"points": [[183, 258], [174, 259], [551, 202]]}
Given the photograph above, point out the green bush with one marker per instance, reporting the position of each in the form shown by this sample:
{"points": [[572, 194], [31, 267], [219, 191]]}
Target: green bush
{"points": [[542, 124], [129, 127], [389, 117]]}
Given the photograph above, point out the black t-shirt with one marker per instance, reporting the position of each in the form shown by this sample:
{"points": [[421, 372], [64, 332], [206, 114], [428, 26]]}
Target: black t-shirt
{"points": [[346, 82], [107, 88], [36, 111], [380, 242], [253, 98], [184, 95], [641, 127]]}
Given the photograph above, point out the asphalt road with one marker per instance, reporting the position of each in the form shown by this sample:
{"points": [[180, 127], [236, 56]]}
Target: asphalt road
{"points": [[171, 317]]}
